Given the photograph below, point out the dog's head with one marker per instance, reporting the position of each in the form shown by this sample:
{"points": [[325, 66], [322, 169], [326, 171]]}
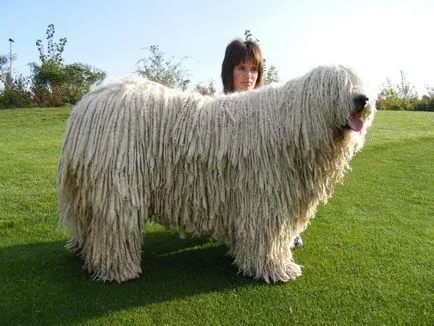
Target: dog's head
{"points": [[335, 97], [353, 106]]}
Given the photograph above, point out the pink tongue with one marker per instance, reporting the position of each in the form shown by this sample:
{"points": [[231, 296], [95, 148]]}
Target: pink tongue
{"points": [[355, 123]]}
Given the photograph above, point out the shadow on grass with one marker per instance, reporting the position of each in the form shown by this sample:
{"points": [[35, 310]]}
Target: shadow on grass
{"points": [[45, 284]]}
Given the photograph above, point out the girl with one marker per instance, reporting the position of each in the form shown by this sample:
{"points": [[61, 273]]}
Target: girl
{"points": [[242, 66]]}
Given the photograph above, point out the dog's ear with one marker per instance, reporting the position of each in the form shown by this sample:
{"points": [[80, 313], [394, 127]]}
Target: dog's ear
{"points": [[360, 101]]}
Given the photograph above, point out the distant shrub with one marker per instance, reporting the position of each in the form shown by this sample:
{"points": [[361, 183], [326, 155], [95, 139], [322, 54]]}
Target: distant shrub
{"points": [[16, 94], [426, 103]]}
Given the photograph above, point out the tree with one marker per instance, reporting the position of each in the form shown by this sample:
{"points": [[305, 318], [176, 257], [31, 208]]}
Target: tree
{"points": [[271, 74], [401, 96], [16, 93], [248, 36], [3, 64], [49, 75], [55, 83], [205, 90], [426, 103], [5, 72], [79, 78], [157, 68], [55, 50]]}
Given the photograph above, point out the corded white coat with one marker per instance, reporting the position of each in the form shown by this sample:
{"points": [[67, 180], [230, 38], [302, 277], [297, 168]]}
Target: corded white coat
{"points": [[248, 168]]}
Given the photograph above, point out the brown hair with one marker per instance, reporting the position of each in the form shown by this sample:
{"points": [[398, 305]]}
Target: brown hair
{"points": [[239, 51]]}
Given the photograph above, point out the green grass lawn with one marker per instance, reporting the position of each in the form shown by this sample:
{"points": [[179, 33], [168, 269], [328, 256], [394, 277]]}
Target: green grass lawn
{"points": [[368, 256]]}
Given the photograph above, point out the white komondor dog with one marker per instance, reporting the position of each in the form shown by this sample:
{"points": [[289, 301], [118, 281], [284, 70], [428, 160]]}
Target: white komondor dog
{"points": [[248, 168]]}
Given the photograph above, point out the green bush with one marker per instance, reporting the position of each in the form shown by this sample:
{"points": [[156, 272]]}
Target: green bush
{"points": [[426, 104], [16, 94], [398, 97]]}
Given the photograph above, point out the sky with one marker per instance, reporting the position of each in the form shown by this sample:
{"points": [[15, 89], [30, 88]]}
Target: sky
{"points": [[377, 38]]}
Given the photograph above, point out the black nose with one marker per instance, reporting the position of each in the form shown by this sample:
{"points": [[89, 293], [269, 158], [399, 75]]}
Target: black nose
{"points": [[360, 101]]}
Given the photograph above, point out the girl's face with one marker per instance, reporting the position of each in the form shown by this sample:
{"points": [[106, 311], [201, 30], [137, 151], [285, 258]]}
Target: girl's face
{"points": [[245, 75]]}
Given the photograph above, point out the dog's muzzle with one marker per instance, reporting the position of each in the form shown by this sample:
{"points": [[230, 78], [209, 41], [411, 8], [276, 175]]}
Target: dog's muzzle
{"points": [[355, 122], [360, 102]]}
